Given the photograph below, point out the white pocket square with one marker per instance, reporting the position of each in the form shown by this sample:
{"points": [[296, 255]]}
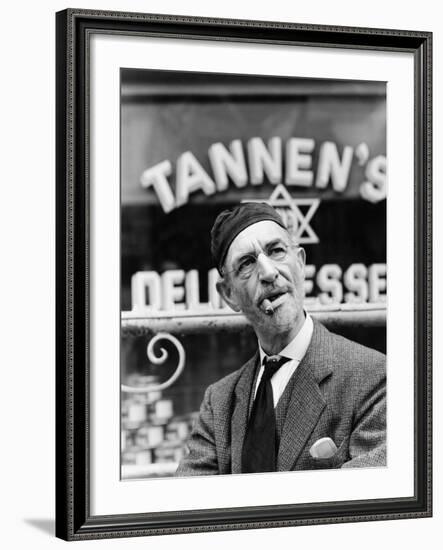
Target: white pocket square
{"points": [[323, 448]]}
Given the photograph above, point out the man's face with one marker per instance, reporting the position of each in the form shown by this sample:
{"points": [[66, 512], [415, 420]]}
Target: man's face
{"points": [[262, 263]]}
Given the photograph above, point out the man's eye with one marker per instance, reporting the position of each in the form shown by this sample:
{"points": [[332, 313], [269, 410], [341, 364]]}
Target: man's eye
{"points": [[277, 252], [246, 263]]}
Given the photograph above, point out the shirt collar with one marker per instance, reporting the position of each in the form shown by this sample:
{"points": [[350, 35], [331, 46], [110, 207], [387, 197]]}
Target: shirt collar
{"points": [[298, 346]]}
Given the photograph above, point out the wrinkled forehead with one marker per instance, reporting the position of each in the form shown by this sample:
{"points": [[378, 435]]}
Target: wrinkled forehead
{"points": [[255, 238]]}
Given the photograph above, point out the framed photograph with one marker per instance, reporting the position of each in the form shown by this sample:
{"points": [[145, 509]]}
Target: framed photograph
{"points": [[243, 300]]}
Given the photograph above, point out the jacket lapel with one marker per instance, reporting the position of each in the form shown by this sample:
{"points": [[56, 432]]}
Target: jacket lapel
{"points": [[306, 404], [242, 396]]}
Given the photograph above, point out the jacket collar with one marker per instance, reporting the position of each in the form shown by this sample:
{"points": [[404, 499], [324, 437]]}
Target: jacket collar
{"points": [[240, 415], [306, 404]]}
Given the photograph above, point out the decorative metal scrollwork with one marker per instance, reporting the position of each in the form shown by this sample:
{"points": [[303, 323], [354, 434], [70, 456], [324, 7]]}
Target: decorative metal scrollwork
{"points": [[159, 360]]}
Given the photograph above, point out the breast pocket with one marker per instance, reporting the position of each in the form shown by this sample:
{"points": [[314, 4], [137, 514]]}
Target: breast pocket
{"points": [[335, 461]]}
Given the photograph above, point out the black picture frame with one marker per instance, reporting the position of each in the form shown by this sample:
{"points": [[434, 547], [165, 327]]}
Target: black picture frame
{"points": [[74, 521]]}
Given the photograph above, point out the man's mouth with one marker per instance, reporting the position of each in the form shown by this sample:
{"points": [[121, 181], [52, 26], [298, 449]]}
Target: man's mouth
{"points": [[273, 300], [274, 297]]}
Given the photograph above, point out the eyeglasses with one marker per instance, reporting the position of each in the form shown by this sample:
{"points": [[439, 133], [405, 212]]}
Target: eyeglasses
{"points": [[246, 265]]}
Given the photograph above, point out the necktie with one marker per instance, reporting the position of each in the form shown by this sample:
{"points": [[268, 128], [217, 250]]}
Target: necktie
{"points": [[259, 447]]}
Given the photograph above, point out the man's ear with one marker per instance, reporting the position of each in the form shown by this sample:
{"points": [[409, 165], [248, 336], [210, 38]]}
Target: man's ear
{"points": [[301, 255], [225, 291]]}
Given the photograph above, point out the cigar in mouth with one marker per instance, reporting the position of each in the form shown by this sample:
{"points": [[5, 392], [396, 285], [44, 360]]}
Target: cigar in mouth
{"points": [[267, 306]]}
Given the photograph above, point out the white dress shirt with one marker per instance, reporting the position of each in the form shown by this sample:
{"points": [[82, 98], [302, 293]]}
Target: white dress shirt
{"points": [[295, 351]]}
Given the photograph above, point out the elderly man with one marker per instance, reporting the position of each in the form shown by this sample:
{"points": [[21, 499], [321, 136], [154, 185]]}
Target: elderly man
{"points": [[308, 399]]}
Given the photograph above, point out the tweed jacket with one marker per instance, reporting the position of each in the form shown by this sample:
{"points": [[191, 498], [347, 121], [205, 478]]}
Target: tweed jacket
{"points": [[338, 390]]}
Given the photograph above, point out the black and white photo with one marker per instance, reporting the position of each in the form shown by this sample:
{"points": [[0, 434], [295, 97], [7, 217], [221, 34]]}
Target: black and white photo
{"points": [[285, 180]]}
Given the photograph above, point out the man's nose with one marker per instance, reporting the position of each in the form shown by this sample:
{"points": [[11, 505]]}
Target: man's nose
{"points": [[267, 271]]}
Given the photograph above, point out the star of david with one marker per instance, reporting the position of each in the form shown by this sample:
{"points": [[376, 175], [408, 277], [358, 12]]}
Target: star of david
{"points": [[282, 201]]}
